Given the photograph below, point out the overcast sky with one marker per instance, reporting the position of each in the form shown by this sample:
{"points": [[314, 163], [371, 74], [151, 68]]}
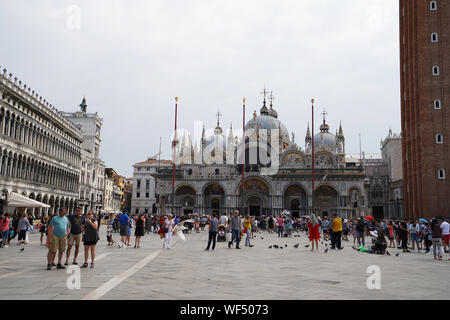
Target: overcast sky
{"points": [[131, 58]]}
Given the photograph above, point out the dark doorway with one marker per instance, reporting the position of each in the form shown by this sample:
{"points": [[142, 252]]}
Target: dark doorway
{"points": [[255, 211], [188, 211], [295, 206], [378, 212]]}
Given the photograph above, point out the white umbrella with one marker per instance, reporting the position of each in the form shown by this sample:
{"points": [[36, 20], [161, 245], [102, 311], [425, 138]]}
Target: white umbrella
{"points": [[17, 201]]}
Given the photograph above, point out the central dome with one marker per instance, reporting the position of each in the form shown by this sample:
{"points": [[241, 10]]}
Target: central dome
{"points": [[267, 122], [325, 139]]}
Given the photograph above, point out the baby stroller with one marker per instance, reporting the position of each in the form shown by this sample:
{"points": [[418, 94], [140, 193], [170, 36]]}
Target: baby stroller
{"points": [[288, 229], [221, 233]]}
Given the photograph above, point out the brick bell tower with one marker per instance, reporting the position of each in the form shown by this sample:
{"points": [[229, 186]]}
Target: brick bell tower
{"points": [[425, 106]]}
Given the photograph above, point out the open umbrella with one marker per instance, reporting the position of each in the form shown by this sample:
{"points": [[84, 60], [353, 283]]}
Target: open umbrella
{"points": [[423, 220], [369, 218]]}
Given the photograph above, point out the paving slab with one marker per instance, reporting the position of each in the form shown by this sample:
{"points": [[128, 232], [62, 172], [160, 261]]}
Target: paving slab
{"points": [[187, 272]]}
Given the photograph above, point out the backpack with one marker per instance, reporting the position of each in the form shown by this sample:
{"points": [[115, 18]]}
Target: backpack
{"points": [[360, 226]]}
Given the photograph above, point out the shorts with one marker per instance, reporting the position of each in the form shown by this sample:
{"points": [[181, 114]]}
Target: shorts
{"points": [[74, 238], [58, 243], [90, 243], [446, 238], [22, 234], [414, 237], [123, 230]]}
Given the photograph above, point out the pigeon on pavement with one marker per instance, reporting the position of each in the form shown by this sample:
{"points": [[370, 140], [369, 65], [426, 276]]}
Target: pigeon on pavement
{"points": [[397, 254], [22, 249], [270, 247], [326, 250], [296, 245], [307, 246], [387, 252]]}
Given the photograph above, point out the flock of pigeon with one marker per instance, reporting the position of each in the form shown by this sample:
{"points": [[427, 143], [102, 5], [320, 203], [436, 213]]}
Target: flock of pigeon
{"points": [[296, 246]]}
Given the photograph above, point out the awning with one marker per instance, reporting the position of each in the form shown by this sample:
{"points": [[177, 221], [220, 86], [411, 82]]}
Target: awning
{"points": [[17, 201]]}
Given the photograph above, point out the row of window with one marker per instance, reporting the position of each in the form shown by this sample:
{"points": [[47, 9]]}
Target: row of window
{"points": [[436, 71], [17, 166], [147, 183], [27, 133], [138, 195], [216, 172]]}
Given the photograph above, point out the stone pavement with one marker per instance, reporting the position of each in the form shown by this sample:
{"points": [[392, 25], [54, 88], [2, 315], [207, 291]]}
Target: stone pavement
{"points": [[187, 272]]}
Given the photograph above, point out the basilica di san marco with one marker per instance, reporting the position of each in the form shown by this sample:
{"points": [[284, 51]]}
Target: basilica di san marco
{"points": [[203, 186]]}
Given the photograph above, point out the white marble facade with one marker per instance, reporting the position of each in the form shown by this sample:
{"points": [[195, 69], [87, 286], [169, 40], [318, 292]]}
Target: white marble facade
{"points": [[40, 150]]}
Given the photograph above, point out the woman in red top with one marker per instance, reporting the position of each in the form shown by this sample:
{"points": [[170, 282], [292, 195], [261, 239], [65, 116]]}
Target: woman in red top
{"points": [[391, 235], [161, 228], [314, 235]]}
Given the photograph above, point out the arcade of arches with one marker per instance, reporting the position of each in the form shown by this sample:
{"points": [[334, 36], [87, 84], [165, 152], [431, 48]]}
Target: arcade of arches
{"points": [[258, 200]]}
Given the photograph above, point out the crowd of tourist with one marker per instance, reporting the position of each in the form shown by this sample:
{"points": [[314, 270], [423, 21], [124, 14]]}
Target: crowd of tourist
{"points": [[64, 234]]}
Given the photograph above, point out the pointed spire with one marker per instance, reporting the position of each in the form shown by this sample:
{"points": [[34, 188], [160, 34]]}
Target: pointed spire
{"points": [[203, 135], [230, 135], [308, 133], [341, 132], [183, 144], [264, 110], [272, 111], [218, 129], [324, 126]]}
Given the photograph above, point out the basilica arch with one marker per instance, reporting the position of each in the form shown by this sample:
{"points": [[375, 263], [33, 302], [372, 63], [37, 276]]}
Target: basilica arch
{"points": [[213, 198], [185, 200], [257, 196], [325, 200], [295, 200]]}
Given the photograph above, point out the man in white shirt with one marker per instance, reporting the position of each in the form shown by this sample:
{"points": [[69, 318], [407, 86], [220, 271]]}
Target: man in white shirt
{"points": [[223, 220], [445, 228]]}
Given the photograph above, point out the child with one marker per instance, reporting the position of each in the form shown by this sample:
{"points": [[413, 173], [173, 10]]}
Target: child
{"points": [[109, 232]]}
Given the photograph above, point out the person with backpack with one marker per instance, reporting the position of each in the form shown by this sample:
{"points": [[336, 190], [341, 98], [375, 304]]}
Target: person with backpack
{"points": [[361, 231], [436, 235]]}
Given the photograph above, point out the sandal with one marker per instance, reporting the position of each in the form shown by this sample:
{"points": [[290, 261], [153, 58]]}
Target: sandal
{"points": [[92, 265], [85, 265]]}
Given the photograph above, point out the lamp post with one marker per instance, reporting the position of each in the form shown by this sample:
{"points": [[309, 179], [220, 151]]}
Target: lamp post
{"points": [[313, 161], [174, 155], [243, 155]]}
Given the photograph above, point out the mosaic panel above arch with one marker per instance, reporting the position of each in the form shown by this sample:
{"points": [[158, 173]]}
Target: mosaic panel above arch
{"points": [[293, 158]]}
